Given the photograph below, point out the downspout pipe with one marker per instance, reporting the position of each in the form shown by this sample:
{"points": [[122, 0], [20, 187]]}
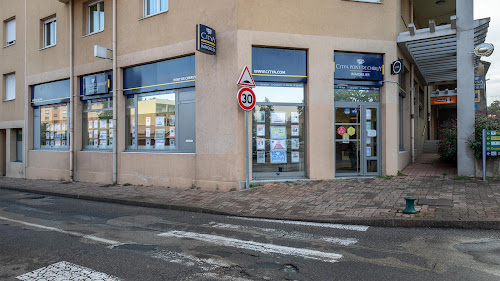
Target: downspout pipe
{"points": [[71, 96], [26, 99], [115, 90], [412, 112]]}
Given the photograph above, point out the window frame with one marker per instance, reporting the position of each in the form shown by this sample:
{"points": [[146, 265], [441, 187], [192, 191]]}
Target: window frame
{"points": [[95, 3], [7, 33], [52, 20], [158, 8], [134, 105], [6, 79]]}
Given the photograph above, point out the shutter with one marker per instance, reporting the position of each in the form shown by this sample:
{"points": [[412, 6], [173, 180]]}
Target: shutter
{"points": [[11, 32], [10, 86]]}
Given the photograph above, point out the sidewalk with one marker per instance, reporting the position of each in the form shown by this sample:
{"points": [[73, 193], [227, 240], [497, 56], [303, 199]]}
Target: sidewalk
{"points": [[369, 201]]}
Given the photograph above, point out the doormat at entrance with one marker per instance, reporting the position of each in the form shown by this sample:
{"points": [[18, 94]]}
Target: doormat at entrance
{"points": [[435, 202]]}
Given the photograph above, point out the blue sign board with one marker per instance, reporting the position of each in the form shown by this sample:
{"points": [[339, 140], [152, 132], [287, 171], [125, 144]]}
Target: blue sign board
{"points": [[357, 66], [479, 82], [159, 76], [96, 85], [347, 110], [205, 39], [279, 65], [50, 93], [354, 111]]}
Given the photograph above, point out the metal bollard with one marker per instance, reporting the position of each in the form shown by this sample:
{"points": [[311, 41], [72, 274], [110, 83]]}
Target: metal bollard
{"points": [[410, 206]]}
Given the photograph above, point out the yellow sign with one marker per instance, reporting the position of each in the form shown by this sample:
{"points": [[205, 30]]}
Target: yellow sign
{"points": [[345, 138], [490, 138], [351, 131]]}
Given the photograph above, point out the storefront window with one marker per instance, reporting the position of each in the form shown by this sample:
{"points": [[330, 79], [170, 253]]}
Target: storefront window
{"points": [[357, 93], [98, 124], [162, 121], [279, 130], [54, 126]]}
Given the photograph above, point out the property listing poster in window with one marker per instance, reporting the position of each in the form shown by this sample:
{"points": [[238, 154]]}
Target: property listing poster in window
{"points": [[295, 143], [111, 124], [160, 144], [172, 142], [90, 124], [261, 130], [278, 117], [295, 130], [295, 157], [261, 143], [148, 121], [294, 116], [160, 134], [148, 142], [148, 132], [261, 157], [278, 157], [160, 121], [278, 145], [171, 120], [103, 124], [260, 116], [172, 132], [278, 132]]}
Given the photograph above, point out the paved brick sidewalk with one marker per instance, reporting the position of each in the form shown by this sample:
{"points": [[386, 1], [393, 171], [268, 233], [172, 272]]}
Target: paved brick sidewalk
{"points": [[370, 201]]}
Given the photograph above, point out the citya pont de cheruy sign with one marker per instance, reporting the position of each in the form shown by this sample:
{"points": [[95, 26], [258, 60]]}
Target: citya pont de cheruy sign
{"points": [[206, 39]]}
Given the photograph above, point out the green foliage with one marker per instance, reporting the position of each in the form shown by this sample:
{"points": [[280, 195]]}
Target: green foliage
{"points": [[494, 108], [482, 122], [400, 174], [447, 148], [127, 184]]}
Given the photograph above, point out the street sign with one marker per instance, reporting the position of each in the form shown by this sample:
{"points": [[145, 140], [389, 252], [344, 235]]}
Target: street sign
{"points": [[246, 98], [246, 79], [492, 143]]}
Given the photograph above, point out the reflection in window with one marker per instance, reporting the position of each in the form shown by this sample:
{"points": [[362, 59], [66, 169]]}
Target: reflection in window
{"points": [[96, 17], [356, 93], [279, 92], [98, 124], [54, 130]]}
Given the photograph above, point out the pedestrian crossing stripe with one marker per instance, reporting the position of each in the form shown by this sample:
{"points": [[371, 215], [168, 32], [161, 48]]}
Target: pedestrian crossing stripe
{"points": [[66, 271]]}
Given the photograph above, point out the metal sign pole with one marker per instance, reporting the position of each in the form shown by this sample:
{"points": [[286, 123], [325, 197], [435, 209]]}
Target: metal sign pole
{"points": [[247, 184], [484, 154]]}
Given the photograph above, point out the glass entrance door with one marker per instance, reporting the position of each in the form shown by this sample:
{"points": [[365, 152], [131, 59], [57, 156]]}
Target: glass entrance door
{"points": [[356, 139]]}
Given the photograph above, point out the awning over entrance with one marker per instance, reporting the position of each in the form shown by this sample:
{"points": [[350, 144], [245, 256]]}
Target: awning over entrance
{"points": [[434, 50]]}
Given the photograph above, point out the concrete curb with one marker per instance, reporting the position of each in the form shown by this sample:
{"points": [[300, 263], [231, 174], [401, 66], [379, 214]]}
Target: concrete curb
{"points": [[377, 222]]}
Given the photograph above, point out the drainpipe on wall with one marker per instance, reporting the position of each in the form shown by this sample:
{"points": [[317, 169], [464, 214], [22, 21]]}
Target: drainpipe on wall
{"points": [[411, 11], [115, 90], [412, 112], [26, 101], [71, 95]]}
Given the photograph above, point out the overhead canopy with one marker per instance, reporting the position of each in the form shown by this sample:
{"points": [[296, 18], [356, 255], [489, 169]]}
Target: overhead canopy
{"points": [[434, 50]]}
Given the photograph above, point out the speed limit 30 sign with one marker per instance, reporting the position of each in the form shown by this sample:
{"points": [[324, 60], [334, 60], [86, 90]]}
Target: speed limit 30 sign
{"points": [[246, 98]]}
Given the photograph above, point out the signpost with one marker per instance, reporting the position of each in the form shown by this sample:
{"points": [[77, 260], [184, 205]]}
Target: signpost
{"points": [[246, 100], [491, 146]]}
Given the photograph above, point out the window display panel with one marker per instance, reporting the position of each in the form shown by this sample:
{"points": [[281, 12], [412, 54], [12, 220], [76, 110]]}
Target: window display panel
{"points": [[54, 126], [156, 121], [279, 130], [98, 124]]}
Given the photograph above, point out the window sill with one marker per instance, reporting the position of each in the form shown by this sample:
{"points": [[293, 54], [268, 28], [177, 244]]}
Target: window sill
{"points": [[97, 150], [368, 1], [147, 17], [8, 45], [157, 152], [90, 34], [46, 47], [9, 99]]}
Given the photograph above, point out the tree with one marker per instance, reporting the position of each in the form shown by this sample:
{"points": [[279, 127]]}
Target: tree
{"points": [[494, 108]]}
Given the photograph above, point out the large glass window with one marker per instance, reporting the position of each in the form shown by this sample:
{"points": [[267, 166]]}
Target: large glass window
{"points": [[278, 130], [162, 121], [357, 93], [152, 7], [19, 145], [98, 124], [49, 32], [95, 17], [53, 130]]}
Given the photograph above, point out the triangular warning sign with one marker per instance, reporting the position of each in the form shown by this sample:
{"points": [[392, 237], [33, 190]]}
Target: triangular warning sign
{"points": [[246, 78]]}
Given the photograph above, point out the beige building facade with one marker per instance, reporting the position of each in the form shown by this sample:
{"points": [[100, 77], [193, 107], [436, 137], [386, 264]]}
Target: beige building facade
{"points": [[177, 122]]}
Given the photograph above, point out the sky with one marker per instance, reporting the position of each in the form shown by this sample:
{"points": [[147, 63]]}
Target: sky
{"points": [[485, 9]]}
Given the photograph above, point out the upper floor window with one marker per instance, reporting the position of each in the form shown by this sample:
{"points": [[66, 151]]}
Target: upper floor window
{"points": [[10, 32], [95, 17], [49, 32], [152, 7], [10, 86]]}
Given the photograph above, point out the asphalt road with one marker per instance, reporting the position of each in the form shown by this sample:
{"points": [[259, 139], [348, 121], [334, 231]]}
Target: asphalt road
{"points": [[44, 237]]}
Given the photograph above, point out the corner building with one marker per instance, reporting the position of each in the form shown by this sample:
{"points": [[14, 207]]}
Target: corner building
{"points": [[327, 104]]}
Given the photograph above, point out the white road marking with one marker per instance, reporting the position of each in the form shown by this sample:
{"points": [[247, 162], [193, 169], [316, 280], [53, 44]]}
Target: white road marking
{"points": [[207, 264], [304, 223], [255, 246], [287, 234], [72, 233], [66, 271]]}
